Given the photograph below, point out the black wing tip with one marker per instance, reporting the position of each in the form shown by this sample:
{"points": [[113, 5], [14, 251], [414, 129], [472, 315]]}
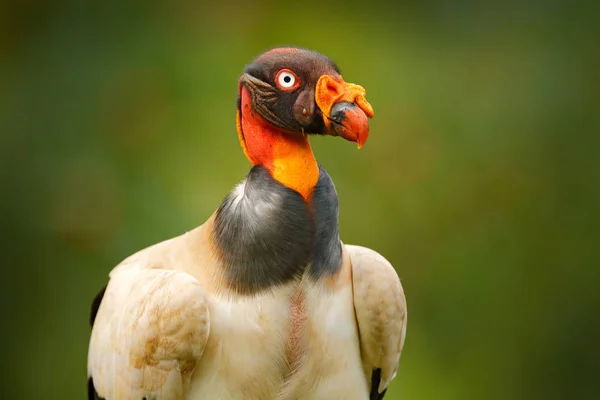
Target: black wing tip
{"points": [[96, 306], [375, 380], [92, 394]]}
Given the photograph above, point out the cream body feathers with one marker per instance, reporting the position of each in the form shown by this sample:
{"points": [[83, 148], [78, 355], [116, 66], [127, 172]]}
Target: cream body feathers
{"points": [[168, 329]]}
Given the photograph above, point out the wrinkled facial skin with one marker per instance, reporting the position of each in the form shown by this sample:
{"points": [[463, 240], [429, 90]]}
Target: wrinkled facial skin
{"points": [[292, 110]]}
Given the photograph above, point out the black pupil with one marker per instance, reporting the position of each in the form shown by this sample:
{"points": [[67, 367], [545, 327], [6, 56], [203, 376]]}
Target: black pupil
{"points": [[287, 79]]}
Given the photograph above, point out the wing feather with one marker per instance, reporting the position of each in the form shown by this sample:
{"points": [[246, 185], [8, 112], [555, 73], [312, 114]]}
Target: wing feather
{"points": [[148, 335], [380, 308]]}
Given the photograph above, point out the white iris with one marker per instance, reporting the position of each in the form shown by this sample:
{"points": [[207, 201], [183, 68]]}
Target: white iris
{"points": [[286, 80]]}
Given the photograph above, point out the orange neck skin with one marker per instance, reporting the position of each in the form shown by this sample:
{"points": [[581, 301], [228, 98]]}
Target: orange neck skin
{"points": [[287, 156]]}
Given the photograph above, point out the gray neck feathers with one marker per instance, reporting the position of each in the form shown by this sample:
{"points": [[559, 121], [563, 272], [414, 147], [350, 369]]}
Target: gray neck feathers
{"points": [[267, 235]]}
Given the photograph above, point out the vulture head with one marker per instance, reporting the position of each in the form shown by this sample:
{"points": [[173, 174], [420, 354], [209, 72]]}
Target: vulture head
{"points": [[302, 92], [286, 94]]}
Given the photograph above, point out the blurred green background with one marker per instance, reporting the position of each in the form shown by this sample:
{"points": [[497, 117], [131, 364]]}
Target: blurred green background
{"points": [[480, 181]]}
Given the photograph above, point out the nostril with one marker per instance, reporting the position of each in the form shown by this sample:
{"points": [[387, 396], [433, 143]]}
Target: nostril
{"points": [[338, 116]]}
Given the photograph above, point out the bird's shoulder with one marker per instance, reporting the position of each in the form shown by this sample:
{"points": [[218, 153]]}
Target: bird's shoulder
{"points": [[151, 325], [167, 254]]}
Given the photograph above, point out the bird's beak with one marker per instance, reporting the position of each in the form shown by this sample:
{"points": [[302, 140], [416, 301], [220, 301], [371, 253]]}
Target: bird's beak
{"points": [[345, 108]]}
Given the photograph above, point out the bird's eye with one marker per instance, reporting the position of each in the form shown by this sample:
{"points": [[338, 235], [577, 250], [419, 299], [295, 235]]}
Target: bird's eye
{"points": [[287, 80]]}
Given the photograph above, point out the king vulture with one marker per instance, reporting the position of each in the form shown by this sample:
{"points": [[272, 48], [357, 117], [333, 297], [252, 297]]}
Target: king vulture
{"points": [[263, 300]]}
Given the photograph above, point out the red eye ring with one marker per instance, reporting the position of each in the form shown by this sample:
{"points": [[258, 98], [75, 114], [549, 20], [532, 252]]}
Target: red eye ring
{"points": [[287, 80]]}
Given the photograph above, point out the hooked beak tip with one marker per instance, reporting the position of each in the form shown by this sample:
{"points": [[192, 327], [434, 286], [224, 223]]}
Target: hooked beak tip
{"points": [[349, 121]]}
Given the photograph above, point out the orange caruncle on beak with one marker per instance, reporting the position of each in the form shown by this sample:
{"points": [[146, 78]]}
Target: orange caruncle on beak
{"points": [[345, 108]]}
